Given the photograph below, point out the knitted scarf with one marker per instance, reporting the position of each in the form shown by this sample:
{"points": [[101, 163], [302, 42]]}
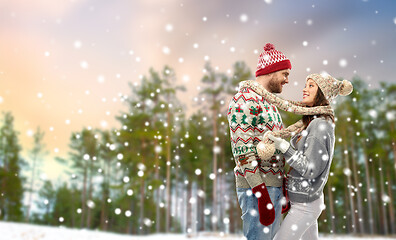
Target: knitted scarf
{"points": [[286, 105]]}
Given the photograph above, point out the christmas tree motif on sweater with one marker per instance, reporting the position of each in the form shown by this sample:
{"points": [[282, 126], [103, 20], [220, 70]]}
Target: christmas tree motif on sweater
{"points": [[274, 114], [234, 119], [279, 118], [254, 122], [245, 90], [248, 121], [269, 118], [244, 119], [261, 120]]}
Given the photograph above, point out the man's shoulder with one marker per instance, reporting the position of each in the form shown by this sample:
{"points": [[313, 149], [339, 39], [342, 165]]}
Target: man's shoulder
{"points": [[247, 95]]}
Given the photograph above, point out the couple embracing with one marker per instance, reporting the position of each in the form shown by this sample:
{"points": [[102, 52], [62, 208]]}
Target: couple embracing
{"points": [[260, 150]]}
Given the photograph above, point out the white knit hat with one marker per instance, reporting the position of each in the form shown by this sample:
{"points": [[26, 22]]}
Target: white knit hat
{"points": [[330, 86]]}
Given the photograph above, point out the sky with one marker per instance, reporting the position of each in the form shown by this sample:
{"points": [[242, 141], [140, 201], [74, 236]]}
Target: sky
{"points": [[64, 64]]}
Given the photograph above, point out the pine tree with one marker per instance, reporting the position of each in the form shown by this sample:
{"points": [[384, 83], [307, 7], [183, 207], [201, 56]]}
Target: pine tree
{"points": [[148, 126], [10, 166], [65, 204], [214, 93], [107, 158], [37, 153], [46, 201], [83, 155], [195, 161]]}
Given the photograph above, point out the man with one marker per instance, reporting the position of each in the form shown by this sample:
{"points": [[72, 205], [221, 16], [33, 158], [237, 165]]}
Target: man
{"points": [[259, 182]]}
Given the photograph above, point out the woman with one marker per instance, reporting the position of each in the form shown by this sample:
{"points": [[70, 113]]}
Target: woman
{"points": [[309, 155]]}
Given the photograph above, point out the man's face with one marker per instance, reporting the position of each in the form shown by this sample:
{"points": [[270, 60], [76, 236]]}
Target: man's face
{"points": [[278, 79]]}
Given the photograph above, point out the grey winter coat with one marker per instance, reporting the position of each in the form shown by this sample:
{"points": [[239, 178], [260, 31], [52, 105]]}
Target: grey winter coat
{"points": [[310, 159]]}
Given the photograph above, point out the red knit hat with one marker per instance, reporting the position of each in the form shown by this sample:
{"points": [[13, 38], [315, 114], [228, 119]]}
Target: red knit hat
{"points": [[271, 60]]}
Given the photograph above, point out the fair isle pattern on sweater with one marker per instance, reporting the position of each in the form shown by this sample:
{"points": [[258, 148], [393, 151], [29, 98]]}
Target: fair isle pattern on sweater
{"points": [[249, 117]]}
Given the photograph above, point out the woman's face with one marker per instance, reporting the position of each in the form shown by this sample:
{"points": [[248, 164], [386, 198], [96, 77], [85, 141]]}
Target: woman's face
{"points": [[309, 92]]}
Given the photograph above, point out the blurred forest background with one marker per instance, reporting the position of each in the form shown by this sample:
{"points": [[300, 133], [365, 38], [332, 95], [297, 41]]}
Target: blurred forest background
{"points": [[164, 171]]}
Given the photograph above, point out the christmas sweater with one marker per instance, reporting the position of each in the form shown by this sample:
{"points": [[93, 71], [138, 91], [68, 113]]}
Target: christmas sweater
{"points": [[249, 117], [310, 155]]}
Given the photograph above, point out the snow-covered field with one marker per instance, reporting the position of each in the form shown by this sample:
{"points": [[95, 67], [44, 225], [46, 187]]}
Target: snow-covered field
{"points": [[20, 231]]}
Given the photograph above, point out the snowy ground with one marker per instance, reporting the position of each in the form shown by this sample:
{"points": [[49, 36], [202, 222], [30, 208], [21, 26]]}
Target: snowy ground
{"points": [[20, 231]]}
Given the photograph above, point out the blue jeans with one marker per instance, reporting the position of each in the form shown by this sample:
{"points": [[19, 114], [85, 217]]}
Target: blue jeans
{"points": [[252, 228]]}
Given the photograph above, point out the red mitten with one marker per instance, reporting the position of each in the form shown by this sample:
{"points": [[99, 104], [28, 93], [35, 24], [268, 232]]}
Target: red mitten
{"points": [[265, 206], [286, 204]]}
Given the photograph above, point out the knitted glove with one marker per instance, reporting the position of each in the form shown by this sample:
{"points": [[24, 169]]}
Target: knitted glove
{"points": [[285, 201], [280, 143], [265, 148], [265, 206]]}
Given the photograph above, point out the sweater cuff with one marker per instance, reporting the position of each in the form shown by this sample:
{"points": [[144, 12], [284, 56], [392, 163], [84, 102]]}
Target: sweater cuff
{"points": [[254, 179], [289, 153]]}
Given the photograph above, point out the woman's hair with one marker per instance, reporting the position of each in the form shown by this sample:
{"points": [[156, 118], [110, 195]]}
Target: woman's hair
{"points": [[320, 100]]}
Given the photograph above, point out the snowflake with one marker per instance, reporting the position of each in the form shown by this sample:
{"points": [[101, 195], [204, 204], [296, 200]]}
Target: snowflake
{"points": [[169, 27], [347, 171], [343, 63], [90, 204], [207, 211], [294, 227], [192, 200], [125, 179], [166, 50], [84, 64], [244, 18], [77, 44], [147, 222], [325, 157], [128, 213], [253, 212]]}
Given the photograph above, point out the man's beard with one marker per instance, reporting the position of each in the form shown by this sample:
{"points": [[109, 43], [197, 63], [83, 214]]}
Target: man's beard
{"points": [[274, 86]]}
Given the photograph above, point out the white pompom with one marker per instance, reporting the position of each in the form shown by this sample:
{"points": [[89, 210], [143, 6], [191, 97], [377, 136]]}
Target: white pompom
{"points": [[346, 88]]}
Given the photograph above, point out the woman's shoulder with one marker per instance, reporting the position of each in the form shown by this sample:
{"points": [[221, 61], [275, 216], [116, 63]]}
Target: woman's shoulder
{"points": [[322, 124]]}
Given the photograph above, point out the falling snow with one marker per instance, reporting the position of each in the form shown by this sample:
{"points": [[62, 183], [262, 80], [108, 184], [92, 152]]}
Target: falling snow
{"points": [[231, 46], [243, 18], [343, 63]]}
